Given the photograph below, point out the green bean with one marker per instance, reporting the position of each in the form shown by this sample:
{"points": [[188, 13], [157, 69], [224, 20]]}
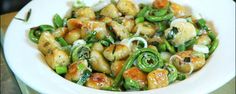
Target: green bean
{"points": [[46, 28], [139, 20], [215, 44], [161, 12], [105, 43], [57, 21], [162, 47], [202, 24], [61, 69], [61, 41], [131, 60], [131, 84], [190, 43], [212, 35], [82, 80], [170, 48], [32, 36], [181, 48], [173, 73], [143, 11], [160, 18], [162, 27]]}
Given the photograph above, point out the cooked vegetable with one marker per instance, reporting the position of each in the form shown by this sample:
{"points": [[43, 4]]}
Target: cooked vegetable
{"points": [[110, 11], [57, 58], [99, 63], [125, 46], [99, 81], [128, 7], [143, 65], [157, 79]]}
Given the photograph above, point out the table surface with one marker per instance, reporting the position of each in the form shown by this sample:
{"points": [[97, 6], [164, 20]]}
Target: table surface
{"points": [[11, 86]]}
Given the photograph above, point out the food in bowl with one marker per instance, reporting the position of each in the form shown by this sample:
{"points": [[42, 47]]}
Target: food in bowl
{"points": [[125, 46]]}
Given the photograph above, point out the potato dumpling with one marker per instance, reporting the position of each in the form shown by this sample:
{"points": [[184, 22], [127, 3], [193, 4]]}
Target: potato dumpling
{"points": [[157, 79], [128, 7], [47, 43], [74, 24], [116, 66], [119, 30], [128, 23], [57, 58], [188, 61], [72, 36], [99, 81], [85, 12], [135, 74], [204, 40], [74, 73], [116, 52], [185, 31], [60, 32], [99, 63], [144, 28], [110, 11], [99, 27], [98, 47]]}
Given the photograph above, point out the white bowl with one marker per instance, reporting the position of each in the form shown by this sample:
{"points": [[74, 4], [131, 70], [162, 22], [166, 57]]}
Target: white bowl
{"points": [[26, 61]]}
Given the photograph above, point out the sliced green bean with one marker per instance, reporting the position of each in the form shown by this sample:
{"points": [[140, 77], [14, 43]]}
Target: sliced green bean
{"points": [[162, 47], [139, 20], [190, 43], [212, 35], [57, 21], [61, 69], [181, 48], [215, 44], [170, 48], [159, 18]]}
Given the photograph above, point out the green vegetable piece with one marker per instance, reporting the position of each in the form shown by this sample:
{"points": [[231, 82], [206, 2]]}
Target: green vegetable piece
{"points": [[62, 41], [170, 48], [190, 43], [91, 37], [162, 47], [181, 48], [61, 69], [162, 26], [139, 20], [212, 35], [105, 43], [181, 76], [138, 54], [32, 35], [161, 12], [159, 18], [81, 52], [46, 28], [202, 24], [131, 84], [58, 21], [172, 33], [82, 80], [148, 62], [173, 73], [215, 44], [143, 11]]}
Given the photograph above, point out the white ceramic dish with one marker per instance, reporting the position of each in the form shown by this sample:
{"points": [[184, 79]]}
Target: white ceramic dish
{"points": [[26, 61]]}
